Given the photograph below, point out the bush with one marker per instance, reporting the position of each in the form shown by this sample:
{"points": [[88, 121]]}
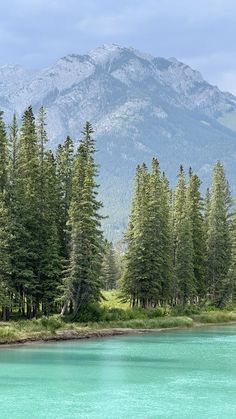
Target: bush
{"points": [[7, 333], [51, 323], [96, 313], [185, 310]]}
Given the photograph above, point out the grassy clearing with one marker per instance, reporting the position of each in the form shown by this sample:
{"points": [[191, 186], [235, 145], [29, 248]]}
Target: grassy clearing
{"points": [[112, 300]]}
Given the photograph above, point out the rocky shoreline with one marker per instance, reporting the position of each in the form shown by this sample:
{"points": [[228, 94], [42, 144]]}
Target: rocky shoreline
{"points": [[63, 335]]}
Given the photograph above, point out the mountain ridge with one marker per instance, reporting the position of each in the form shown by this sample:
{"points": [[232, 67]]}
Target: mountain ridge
{"points": [[139, 105]]}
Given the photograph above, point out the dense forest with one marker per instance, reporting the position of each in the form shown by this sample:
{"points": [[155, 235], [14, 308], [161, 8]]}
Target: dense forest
{"points": [[51, 244], [180, 249]]}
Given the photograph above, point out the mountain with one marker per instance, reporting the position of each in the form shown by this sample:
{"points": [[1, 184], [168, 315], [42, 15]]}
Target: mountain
{"points": [[140, 106]]}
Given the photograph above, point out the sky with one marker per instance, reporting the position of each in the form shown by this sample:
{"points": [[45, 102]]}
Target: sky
{"points": [[201, 33]]}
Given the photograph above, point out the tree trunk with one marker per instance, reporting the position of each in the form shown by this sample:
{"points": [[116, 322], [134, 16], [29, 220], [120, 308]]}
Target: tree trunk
{"points": [[64, 308]]}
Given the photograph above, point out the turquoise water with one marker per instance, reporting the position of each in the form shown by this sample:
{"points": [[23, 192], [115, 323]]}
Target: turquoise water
{"points": [[182, 374]]}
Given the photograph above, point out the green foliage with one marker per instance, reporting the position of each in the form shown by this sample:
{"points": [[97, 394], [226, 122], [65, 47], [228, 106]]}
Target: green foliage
{"points": [[83, 282], [52, 323], [109, 270], [147, 273], [215, 317], [218, 236], [180, 254]]}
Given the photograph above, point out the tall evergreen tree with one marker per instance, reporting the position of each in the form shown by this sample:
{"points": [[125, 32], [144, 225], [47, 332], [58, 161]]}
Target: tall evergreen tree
{"points": [[3, 155], [154, 224], [109, 271], [230, 283], [166, 242], [13, 140], [195, 208], [50, 257], [64, 160], [28, 249], [5, 258], [218, 238], [183, 244], [136, 284], [5, 232], [83, 284]]}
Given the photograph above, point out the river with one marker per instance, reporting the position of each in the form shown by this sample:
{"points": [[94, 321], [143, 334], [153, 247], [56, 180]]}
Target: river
{"points": [[175, 374]]}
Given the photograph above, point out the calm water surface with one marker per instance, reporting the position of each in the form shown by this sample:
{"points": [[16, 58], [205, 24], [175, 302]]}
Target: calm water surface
{"points": [[182, 374]]}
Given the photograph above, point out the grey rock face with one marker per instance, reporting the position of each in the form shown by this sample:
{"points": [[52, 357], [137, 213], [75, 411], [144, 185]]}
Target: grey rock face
{"points": [[140, 106]]}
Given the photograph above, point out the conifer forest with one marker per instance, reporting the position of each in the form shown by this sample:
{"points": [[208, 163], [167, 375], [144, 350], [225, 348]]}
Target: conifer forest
{"points": [[180, 246]]}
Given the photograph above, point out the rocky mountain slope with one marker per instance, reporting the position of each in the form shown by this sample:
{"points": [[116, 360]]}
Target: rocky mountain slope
{"points": [[140, 106]]}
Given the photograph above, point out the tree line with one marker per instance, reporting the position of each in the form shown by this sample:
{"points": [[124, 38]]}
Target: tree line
{"points": [[51, 243], [181, 249]]}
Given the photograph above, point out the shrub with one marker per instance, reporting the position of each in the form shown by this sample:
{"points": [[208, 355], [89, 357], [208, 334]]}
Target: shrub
{"points": [[50, 323], [7, 333], [185, 310]]}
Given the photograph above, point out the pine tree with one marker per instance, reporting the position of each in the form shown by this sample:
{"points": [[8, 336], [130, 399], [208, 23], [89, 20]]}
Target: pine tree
{"points": [[230, 283], [166, 242], [5, 233], [27, 221], [13, 149], [13, 140], [109, 271], [155, 234], [218, 238], [136, 283], [195, 208], [3, 155], [83, 284], [5, 258], [42, 210], [50, 257], [206, 212], [183, 244], [64, 161]]}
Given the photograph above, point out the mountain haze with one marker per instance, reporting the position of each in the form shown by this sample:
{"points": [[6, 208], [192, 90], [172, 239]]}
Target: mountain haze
{"points": [[139, 105]]}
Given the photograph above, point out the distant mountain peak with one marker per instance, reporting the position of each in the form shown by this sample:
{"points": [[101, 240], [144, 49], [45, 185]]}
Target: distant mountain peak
{"points": [[105, 52], [139, 105]]}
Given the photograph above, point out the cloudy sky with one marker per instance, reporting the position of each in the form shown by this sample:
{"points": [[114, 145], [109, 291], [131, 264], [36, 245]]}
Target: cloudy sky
{"points": [[202, 33]]}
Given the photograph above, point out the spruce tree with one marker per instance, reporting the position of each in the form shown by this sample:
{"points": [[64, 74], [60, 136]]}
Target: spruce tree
{"points": [[83, 284], [50, 257], [5, 258], [218, 237], [154, 227], [195, 208], [136, 283], [230, 283], [166, 242], [184, 280], [27, 234], [5, 232], [109, 271], [64, 161], [3, 155]]}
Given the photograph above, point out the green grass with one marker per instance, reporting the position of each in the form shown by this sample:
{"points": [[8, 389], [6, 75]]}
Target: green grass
{"points": [[215, 317], [112, 300], [113, 314], [24, 329], [155, 323]]}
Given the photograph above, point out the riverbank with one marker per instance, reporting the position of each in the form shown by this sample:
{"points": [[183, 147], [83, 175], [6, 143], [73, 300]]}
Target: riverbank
{"points": [[54, 329]]}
